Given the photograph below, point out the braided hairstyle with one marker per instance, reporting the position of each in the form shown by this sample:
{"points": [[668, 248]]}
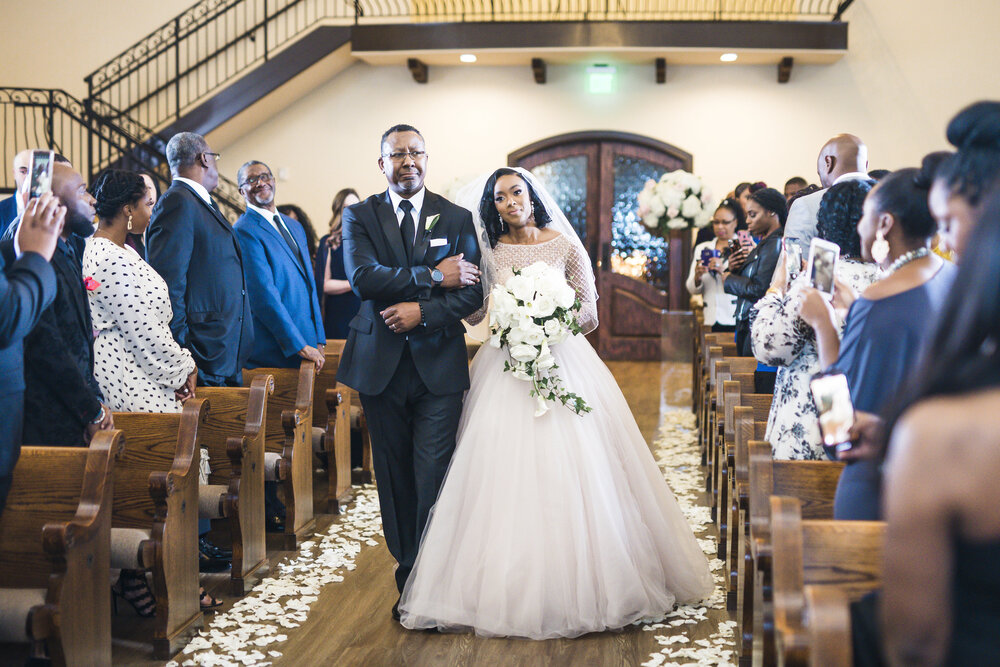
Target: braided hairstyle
{"points": [[113, 189], [839, 212], [975, 167]]}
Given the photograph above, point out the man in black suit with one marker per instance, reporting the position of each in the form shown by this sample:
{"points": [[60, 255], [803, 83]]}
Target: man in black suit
{"points": [[27, 287], [193, 247], [63, 403], [10, 208], [411, 256]]}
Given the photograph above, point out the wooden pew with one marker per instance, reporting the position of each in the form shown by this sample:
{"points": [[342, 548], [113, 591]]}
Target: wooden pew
{"points": [[358, 422], [814, 484], [725, 368], [156, 489], [332, 414], [289, 433], [846, 555], [747, 428], [55, 549], [233, 434], [732, 393]]}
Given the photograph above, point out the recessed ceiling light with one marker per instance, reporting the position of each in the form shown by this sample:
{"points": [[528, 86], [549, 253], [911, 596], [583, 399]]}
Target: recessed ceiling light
{"points": [[467, 57], [728, 57]]}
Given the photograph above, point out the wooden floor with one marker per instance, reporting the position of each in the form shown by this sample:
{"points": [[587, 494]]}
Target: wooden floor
{"points": [[350, 624]]}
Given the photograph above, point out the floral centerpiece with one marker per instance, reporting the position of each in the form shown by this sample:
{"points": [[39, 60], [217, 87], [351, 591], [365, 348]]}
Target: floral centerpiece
{"points": [[534, 310], [679, 200]]}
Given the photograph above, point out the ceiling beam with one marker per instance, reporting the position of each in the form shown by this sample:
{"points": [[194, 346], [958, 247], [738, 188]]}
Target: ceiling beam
{"points": [[417, 69], [538, 69]]}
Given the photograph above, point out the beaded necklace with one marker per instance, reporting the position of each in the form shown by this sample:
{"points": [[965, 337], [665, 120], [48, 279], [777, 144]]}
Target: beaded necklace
{"points": [[903, 260]]}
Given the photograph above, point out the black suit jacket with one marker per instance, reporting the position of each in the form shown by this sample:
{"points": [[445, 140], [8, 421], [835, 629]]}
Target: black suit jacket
{"points": [[375, 262], [60, 395], [193, 247], [8, 212]]}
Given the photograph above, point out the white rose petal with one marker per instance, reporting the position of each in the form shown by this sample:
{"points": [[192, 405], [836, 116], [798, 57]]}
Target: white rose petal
{"points": [[524, 352]]}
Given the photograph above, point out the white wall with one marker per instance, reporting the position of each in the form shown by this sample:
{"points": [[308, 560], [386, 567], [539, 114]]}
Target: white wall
{"points": [[909, 68]]}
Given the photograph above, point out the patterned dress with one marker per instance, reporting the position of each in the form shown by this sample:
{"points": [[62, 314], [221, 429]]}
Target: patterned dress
{"points": [[781, 338]]}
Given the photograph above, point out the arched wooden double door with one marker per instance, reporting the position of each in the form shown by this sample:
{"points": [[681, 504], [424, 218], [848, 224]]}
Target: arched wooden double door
{"points": [[596, 177]]}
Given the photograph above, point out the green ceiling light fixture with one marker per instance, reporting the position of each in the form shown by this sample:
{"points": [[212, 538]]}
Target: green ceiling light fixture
{"points": [[601, 80]]}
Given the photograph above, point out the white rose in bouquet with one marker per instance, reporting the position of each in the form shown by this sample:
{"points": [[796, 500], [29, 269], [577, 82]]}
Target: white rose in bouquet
{"points": [[703, 218], [524, 352], [522, 287], [672, 197], [691, 207], [543, 306], [651, 221], [691, 182], [677, 223], [565, 296], [535, 270], [552, 328], [534, 335]]}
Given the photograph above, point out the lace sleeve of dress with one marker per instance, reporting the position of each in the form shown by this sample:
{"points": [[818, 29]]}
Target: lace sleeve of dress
{"points": [[478, 316], [580, 278]]}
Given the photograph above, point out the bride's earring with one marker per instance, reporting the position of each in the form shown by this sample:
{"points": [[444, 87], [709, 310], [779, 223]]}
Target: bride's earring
{"points": [[880, 248], [129, 223]]}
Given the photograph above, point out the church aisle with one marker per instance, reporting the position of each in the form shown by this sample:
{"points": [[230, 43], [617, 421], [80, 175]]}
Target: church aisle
{"points": [[329, 604]]}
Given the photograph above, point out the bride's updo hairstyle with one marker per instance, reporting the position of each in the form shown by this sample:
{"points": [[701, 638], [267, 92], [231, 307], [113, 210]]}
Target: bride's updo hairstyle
{"points": [[975, 167], [494, 225]]}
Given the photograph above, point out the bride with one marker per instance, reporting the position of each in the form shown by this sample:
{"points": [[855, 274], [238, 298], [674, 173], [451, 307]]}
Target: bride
{"points": [[553, 526]]}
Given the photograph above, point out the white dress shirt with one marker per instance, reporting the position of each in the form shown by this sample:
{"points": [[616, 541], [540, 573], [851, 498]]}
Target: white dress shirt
{"points": [[720, 307], [801, 222], [418, 203], [269, 216], [198, 187]]}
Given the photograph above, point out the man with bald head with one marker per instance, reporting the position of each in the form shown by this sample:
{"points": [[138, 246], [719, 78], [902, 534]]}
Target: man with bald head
{"points": [[63, 404], [13, 206], [843, 157]]}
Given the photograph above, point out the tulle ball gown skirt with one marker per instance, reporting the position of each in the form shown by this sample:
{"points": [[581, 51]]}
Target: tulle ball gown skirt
{"points": [[553, 526]]}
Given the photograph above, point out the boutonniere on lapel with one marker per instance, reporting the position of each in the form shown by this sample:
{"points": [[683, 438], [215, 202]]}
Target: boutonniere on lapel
{"points": [[90, 284], [431, 221]]}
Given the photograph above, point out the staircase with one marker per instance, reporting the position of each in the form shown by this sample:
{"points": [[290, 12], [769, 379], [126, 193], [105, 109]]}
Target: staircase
{"points": [[219, 57]]}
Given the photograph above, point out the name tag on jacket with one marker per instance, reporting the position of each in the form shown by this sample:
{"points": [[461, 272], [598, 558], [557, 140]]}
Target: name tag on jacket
{"points": [[438, 242]]}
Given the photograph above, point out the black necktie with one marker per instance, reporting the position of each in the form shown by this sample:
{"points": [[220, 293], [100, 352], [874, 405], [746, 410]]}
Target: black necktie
{"points": [[407, 229], [285, 234]]}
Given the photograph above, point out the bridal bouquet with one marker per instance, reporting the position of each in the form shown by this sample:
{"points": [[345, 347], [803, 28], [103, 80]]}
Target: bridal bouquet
{"points": [[678, 200], [532, 311]]}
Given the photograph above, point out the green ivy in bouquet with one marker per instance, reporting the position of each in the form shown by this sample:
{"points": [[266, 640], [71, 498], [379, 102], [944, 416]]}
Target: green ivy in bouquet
{"points": [[679, 200], [534, 310]]}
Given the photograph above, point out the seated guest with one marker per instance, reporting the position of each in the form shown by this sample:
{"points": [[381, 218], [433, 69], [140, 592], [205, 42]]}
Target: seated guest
{"points": [[750, 270], [706, 278], [27, 287], [338, 303], [138, 364], [940, 583], [887, 326], [793, 185], [963, 177], [63, 402], [298, 215], [780, 338], [194, 249], [286, 317]]}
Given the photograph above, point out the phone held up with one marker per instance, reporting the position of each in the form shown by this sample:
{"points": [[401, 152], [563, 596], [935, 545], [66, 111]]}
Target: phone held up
{"points": [[793, 257], [832, 398], [822, 265], [41, 173]]}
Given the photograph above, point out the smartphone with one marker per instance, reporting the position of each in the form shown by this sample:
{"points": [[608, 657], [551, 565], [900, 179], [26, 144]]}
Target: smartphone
{"points": [[822, 265], [793, 257], [832, 398], [744, 237], [707, 254], [41, 173]]}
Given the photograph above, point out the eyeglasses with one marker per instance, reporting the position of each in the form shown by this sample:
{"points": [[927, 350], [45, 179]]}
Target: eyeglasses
{"points": [[716, 221], [401, 156], [215, 156], [264, 178]]}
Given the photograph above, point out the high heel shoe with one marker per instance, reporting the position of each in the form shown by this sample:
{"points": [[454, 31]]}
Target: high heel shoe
{"points": [[132, 587], [206, 601]]}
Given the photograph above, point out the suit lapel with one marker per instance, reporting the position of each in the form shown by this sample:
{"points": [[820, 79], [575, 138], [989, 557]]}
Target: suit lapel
{"points": [[432, 207], [73, 280], [221, 219], [390, 227], [279, 240]]}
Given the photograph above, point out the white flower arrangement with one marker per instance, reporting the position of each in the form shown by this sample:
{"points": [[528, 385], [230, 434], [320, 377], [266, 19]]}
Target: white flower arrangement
{"points": [[534, 310], [679, 200]]}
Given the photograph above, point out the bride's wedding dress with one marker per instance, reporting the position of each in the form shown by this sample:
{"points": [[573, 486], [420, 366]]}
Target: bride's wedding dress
{"points": [[553, 526]]}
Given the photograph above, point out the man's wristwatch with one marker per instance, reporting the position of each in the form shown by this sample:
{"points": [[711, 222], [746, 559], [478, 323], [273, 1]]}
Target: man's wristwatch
{"points": [[437, 277]]}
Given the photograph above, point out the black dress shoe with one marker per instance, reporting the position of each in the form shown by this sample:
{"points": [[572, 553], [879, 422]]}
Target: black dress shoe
{"points": [[214, 551], [395, 610], [274, 524]]}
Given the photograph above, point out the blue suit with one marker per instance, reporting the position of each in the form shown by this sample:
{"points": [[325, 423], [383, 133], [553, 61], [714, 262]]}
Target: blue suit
{"points": [[8, 212], [27, 287], [286, 314]]}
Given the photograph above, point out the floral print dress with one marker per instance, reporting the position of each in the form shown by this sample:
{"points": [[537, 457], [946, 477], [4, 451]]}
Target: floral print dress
{"points": [[781, 338]]}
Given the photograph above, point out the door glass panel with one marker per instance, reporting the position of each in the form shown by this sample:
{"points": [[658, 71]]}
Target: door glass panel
{"points": [[634, 251], [566, 180]]}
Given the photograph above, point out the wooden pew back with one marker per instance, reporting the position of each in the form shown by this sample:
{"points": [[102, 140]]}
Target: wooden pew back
{"points": [[55, 533], [332, 413]]}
